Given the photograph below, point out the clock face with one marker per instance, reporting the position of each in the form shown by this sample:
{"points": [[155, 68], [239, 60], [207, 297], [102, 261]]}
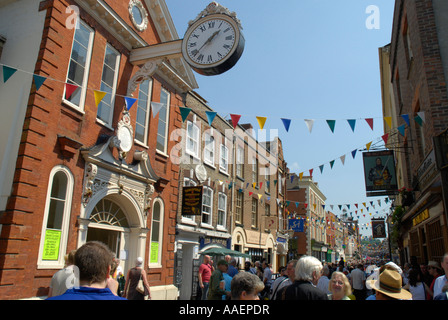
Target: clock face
{"points": [[125, 137], [210, 41]]}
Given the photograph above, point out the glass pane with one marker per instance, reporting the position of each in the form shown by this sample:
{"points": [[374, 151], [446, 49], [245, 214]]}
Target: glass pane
{"points": [[139, 132], [156, 212], [108, 76], [79, 53], [59, 187], [82, 35], [110, 58], [55, 214], [155, 231]]}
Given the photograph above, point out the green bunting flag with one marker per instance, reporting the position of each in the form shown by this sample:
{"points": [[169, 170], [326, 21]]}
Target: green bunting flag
{"points": [[8, 72], [184, 112]]}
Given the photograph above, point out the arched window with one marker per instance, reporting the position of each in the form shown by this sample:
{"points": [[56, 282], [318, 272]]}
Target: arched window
{"points": [[53, 244], [155, 248]]}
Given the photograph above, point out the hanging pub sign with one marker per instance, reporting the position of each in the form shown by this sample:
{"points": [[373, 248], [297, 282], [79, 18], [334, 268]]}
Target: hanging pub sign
{"points": [[378, 229], [379, 173], [192, 201]]}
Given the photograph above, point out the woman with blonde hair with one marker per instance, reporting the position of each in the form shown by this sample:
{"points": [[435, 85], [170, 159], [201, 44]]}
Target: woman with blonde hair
{"points": [[339, 287]]}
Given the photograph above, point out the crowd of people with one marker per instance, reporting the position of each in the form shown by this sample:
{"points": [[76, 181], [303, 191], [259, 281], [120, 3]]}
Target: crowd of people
{"points": [[309, 279], [93, 273]]}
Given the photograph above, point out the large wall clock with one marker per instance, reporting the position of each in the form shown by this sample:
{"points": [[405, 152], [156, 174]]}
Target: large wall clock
{"points": [[213, 43]]}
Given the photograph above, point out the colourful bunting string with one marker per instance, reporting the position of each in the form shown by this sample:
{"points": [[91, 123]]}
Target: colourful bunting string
{"points": [[38, 81]]}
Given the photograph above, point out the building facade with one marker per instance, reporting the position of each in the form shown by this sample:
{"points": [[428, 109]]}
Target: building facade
{"points": [[418, 55], [91, 158]]}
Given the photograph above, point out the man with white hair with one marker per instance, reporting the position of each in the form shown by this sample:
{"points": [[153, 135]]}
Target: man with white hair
{"points": [[308, 272]]}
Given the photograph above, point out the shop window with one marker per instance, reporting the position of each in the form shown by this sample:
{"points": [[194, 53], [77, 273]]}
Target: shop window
{"points": [[56, 219], [78, 69], [155, 249]]}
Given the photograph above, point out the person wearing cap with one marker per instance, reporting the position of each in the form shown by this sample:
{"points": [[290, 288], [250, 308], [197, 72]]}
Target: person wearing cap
{"points": [[441, 281], [216, 284], [435, 271], [388, 286]]}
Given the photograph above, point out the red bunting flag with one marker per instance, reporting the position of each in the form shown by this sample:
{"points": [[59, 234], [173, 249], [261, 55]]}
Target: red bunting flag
{"points": [[69, 89], [235, 119]]}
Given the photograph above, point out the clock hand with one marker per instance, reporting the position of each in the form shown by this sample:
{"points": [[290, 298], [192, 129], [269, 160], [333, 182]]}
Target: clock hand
{"points": [[209, 39]]}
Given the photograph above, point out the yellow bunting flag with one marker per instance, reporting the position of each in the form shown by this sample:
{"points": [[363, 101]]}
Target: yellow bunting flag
{"points": [[261, 121], [388, 121], [368, 145], [99, 95]]}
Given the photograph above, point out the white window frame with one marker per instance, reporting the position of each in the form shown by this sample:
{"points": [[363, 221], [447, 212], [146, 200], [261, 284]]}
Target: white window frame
{"points": [[166, 120], [149, 82], [254, 214], [239, 205], [195, 138], [209, 149], [222, 210], [224, 159], [108, 122], [189, 219], [83, 86], [240, 161], [57, 264], [158, 264], [209, 221]]}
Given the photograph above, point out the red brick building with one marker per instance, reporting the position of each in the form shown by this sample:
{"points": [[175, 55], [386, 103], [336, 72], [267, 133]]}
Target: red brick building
{"points": [[79, 175], [416, 60]]}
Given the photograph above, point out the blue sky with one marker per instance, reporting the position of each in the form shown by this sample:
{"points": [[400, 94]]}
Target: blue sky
{"points": [[306, 59]]}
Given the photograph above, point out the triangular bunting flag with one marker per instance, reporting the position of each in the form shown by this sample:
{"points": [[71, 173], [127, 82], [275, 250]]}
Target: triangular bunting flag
{"points": [[69, 89], [388, 121], [156, 106], [352, 123], [38, 81], [184, 112], [418, 120], [385, 138], [300, 176], [401, 129], [129, 102], [235, 119], [368, 145], [99, 95], [421, 114], [292, 178], [311, 172], [210, 116], [406, 118], [343, 159], [286, 123], [331, 164], [261, 122], [321, 167], [309, 124], [370, 122], [354, 153], [8, 72], [331, 124]]}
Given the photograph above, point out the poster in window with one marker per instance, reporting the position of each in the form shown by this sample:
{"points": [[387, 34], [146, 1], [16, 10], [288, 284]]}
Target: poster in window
{"points": [[51, 245], [379, 173], [192, 201]]}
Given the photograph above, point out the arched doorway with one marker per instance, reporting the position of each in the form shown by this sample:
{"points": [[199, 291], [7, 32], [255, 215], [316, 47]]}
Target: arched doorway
{"points": [[108, 224]]}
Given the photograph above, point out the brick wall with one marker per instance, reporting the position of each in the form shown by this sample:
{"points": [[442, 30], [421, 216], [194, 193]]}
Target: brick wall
{"points": [[46, 117]]}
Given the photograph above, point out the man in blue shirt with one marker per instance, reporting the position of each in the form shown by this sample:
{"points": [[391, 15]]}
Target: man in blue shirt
{"points": [[93, 262]]}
